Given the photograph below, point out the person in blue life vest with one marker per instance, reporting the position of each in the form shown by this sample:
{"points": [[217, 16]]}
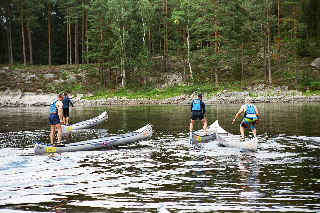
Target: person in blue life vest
{"points": [[251, 117], [198, 110], [66, 103], [55, 119]]}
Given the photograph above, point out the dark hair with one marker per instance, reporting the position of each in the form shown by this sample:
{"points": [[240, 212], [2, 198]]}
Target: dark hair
{"points": [[200, 95], [65, 94]]}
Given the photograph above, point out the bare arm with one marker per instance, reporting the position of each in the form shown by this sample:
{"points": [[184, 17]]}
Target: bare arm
{"points": [[60, 110], [241, 110], [257, 112]]}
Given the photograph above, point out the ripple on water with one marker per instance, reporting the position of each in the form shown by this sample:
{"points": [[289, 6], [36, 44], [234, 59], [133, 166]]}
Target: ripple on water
{"points": [[165, 170]]}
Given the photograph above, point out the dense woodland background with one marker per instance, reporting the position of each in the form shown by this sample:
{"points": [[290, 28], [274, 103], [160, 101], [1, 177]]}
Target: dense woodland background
{"points": [[130, 41]]}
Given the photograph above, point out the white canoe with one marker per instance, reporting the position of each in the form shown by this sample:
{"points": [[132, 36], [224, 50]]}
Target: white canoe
{"points": [[227, 139], [201, 136], [105, 142], [85, 124]]}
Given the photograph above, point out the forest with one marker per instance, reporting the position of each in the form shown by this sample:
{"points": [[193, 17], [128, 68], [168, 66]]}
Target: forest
{"points": [[128, 41]]}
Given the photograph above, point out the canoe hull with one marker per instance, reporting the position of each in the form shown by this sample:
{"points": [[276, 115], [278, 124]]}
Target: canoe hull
{"points": [[250, 144], [85, 124], [201, 137], [105, 142], [227, 139]]}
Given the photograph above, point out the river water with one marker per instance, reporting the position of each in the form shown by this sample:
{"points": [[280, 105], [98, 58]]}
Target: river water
{"points": [[163, 173]]}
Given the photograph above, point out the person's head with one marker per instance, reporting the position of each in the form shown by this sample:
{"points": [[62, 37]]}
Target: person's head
{"points": [[200, 96], [60, 97], [65, 94], [248, 100]]}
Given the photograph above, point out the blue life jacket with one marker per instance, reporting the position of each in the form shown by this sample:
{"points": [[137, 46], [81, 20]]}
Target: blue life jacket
{"points": [[53, 107], [196, 105], [251, 112]]}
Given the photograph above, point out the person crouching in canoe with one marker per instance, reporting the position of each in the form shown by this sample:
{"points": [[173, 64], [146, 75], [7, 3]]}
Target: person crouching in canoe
{"points": [[251, 116], [198, 109], [56, 118]]}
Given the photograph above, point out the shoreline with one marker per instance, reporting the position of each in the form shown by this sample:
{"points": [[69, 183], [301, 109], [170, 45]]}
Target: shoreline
{"points": [[28, 99]]}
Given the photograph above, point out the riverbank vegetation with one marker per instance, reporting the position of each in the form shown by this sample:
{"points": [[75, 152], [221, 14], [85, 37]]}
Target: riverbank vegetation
{"points": [[149, 48]]}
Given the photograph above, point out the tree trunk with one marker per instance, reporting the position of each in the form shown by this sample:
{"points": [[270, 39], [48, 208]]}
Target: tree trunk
{"points": [[242, 64], [49, 33], [82, 32], [123, 70], [70, 43], [76, 42], [265, 58], [216, 78], [30, 42], [23, 41], [9, 33], [268, 44], [87, 38], [279, 36], [67, 34], [67, 39], [188, 58], [165, 43]]}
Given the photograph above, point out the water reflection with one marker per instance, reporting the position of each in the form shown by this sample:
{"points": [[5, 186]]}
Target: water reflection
{"points": [[249, 178]]}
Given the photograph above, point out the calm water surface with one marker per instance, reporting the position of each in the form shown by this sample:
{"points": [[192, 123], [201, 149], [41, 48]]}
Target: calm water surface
{"points": [[164, 173]]}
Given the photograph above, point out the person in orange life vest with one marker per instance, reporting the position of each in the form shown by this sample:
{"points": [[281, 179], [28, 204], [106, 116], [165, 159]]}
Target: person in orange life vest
{"points": [[56, 118], [251, 117], [198, 110]]}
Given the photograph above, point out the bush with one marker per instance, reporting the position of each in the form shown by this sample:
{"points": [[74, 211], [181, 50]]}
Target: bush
{"points": [[315, 85]]}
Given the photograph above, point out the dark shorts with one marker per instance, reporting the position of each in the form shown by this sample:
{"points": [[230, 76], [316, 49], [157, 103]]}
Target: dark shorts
{"points": [[197, 115], [65, 112], [54, 119]]}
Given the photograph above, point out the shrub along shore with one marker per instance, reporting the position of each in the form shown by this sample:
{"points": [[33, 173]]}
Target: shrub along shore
{"points": [[10, 98]]}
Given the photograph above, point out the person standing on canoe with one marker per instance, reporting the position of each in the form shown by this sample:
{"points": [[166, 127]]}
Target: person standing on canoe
{"points": [[56, 118], [198, 109], [251, 116], [66, 103]]}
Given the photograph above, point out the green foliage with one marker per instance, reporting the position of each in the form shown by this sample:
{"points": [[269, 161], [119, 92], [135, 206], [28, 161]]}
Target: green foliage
{"points": [[315, 85], [156, 93], [227, 38]]}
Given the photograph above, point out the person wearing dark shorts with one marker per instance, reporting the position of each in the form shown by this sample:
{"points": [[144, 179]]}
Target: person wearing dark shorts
{"points": [[55, 119], [66, 103], [198, 110]]}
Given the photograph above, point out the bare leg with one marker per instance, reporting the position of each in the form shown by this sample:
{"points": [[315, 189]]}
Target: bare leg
{"points": [[59, 132], [191, 125], [52, 133], [242, 131], [205, 124], [66, 121], [254, 131]]}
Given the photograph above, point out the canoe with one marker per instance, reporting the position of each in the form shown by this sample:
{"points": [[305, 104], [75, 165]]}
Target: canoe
{"points": [[104, 142], [85, 124], [201, 136], [227, 139]]}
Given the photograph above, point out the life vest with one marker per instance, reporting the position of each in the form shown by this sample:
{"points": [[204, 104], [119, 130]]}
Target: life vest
{"points": [[196, 105], [53, 107], [251, 112]]}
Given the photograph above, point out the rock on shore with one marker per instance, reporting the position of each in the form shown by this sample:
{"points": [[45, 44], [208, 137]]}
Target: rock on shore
{"points": [[17, 98]]}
